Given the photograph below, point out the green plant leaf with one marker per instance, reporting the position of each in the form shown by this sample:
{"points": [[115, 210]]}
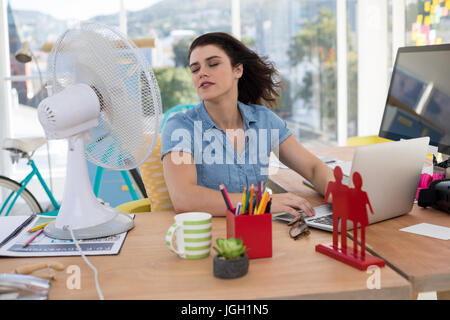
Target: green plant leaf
{"points": [[242, 251], [235, 254], [230, 248], [220, 243], [219, 252], [227, 247]]}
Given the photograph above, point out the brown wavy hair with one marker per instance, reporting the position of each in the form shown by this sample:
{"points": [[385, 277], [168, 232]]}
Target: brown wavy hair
{"points": [[258, 84]]}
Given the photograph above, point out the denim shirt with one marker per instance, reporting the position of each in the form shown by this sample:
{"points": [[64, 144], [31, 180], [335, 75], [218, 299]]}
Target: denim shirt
{"points": [[215, 157]]}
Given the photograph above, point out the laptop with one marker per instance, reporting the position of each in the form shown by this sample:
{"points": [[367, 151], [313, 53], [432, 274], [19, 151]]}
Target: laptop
{"points": [[390, 173]]}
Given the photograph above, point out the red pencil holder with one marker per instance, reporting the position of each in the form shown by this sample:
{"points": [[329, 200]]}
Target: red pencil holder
{"points": [[255, 231]]}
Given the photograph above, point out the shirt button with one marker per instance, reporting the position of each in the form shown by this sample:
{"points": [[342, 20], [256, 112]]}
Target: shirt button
{"points": [[240, 166]]}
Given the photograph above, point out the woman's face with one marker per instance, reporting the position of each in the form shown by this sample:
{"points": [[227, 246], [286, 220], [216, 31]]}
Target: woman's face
{"points": [[213, 76]]}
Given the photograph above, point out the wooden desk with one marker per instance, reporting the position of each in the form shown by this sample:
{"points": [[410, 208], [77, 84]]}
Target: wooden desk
{"points": [[423, 261], [146, 269]]}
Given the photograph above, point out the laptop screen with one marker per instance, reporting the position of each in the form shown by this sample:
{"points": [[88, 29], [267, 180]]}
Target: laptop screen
{"points": [[418, 102]]}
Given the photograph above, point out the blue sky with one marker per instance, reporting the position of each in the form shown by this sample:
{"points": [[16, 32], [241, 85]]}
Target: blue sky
{"points": [[79, 9]]}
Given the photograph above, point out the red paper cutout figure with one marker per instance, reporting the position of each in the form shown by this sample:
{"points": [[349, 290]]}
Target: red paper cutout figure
{"points": [[340, 206], [349, 203], [358, 214]]}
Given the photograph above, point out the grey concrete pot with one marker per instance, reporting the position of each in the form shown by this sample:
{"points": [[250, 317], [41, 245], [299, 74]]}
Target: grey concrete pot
{"points": [[230, 269]]}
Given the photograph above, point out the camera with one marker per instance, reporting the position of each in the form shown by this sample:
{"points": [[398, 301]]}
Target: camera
{"points": [[437, 195]]}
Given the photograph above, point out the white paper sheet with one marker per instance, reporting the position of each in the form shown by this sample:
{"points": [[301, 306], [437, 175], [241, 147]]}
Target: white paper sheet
{"points": [[429, 230], [9, 224], [346, 166], [277, 163], [44, 246], [428, 169]]}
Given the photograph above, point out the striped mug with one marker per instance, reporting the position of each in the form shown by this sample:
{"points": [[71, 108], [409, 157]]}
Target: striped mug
{"points": [[192, 233]]}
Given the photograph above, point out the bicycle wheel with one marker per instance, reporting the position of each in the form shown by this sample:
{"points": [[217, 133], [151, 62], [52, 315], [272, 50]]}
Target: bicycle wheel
{"points": [[25, 205]]}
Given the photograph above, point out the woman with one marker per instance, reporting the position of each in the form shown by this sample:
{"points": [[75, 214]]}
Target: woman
{"points": [[228, 137]]}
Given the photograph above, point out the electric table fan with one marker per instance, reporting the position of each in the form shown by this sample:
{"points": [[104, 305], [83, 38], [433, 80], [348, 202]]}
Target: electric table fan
{"points": [[103, 98]]}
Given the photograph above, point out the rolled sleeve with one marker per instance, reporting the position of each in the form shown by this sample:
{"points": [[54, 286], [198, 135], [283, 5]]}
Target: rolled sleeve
{"points": [[177, 135], [281, 131]]}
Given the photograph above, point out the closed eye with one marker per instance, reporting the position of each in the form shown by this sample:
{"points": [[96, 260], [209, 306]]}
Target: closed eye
{"points": [[211, 65]]}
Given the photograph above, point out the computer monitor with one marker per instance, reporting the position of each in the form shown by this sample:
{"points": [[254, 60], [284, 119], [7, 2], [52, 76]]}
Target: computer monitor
{"points": [[418, 101]]}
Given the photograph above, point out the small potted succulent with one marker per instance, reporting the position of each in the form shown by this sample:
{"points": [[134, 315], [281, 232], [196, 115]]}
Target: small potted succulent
{"points": [[231, 260]]}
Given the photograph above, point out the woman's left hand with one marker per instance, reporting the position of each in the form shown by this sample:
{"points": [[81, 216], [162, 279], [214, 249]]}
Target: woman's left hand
{"points": [[289, 202]]}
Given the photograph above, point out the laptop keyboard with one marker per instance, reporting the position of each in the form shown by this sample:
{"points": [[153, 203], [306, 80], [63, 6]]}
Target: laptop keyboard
{"points": [[324, 213], [328, 220]]}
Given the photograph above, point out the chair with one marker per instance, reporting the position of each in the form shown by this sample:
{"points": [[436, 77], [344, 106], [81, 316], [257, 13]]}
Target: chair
{"points": [[155, 186], [137, 206], [153, 178]]}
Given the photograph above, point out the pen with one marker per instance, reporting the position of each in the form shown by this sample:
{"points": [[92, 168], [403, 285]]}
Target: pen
{"points": [[238, 208], [18, 229], [309, 184], [269, 204], [33, 237]]}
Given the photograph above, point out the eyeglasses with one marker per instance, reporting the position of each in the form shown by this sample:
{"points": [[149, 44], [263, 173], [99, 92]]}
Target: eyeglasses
{"points": [[298, 228]]}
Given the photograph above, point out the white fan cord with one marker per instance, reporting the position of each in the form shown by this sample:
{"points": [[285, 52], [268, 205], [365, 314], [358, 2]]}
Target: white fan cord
{"points": [[97, 285]]}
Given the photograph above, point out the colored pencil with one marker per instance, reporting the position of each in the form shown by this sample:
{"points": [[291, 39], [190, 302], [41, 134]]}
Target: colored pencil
{"points": [[247, 200], [250, 206], [261, 203], [259, 192], [33, 237], [38, 227], [226, 198], [244, 196], [264, 206]]}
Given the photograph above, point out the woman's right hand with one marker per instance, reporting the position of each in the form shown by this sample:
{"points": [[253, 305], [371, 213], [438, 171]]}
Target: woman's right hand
{"points": [[289, 202]]}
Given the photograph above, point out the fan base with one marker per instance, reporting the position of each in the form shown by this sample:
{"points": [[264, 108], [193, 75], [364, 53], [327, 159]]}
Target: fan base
{"points": [[122, 222]]}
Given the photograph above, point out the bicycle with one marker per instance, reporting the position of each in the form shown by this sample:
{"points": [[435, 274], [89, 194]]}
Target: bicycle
{"points": [[15, 198]]}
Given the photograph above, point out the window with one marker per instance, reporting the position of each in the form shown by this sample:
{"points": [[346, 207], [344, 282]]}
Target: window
{"points": [[30, 23], [299, 36]]}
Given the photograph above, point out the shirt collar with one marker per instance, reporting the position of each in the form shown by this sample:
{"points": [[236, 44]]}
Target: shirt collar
{"points": [[248, 116]]}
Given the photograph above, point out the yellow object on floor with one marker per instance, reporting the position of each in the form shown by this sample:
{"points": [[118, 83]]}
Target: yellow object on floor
{"points": [[366, 140]]}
